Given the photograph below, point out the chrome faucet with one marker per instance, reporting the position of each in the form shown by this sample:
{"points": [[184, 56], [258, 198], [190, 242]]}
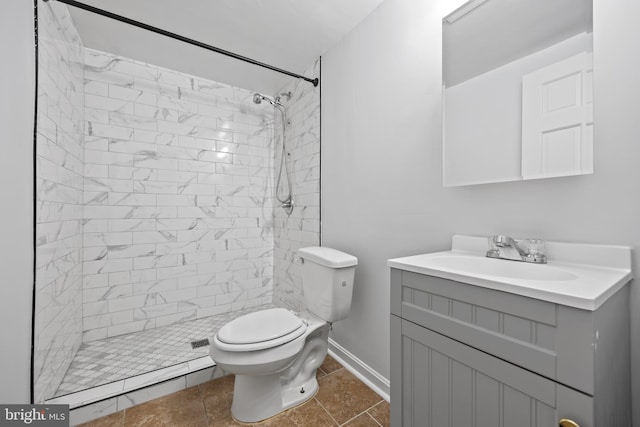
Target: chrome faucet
{"points": [[504, 247]]}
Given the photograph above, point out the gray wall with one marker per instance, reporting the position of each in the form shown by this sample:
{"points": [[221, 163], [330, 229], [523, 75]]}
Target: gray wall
{"points": [[16, 189], [381, 162]]}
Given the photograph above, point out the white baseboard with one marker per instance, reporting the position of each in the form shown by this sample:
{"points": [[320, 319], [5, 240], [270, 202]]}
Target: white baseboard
{"points": [[361, 370]]}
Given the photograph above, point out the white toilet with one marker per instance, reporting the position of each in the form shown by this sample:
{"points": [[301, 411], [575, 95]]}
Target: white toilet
{"points": [[274, 353]]}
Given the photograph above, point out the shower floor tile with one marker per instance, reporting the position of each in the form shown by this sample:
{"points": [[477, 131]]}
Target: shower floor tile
{"points": [[113, 359]]}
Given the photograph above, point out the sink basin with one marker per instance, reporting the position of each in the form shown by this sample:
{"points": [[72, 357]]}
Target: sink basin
{"points": [[578, 275], [501, 268]]}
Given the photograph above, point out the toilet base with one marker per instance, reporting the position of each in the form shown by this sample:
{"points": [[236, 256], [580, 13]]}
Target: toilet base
{"points": [[256, 398]]}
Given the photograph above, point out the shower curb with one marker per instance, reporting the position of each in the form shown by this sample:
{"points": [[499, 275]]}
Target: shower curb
{"points": [[88, 405]]}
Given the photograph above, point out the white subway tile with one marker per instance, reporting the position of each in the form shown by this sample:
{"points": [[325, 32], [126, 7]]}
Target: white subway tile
{"points": [[155, 187], [132, 199], [154, 236], [177, 272], [156, 212], [121, 278], [130, 327], [131, 95], [107, 104], [108, 131], [176, 200], [126, 303], [120, 225], [107, 266], [96, 197], [158, 138], [177, 128], [218, 135], [138, 276], [96, 143], [176, 224], [107, 158], [157, 261], [149, 160], [131, 173], [131, 251], [106, 212], [146, 287], [132, 121], [96, 88], [180, 177], [175, 248], [94, 280], [153, 311]]}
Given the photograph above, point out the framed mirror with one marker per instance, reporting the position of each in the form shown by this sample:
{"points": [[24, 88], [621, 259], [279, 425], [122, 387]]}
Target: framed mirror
{"points": [[517, 90]]}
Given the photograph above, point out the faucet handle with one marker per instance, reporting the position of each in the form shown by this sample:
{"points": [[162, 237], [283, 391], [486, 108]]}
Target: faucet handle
{"points": [[535, 251], [493, 251], [535, 247]]}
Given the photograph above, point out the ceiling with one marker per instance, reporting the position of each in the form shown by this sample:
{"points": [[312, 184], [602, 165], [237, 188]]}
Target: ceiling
{"points": [[500, 31], [288, 34]]}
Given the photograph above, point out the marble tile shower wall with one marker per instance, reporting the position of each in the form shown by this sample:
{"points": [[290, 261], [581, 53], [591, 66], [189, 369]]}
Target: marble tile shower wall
{"points": [[178, 217], [59, 210], [302, 227]]}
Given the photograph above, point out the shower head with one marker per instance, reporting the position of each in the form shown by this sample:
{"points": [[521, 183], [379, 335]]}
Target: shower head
{"points": [[258, 98]]}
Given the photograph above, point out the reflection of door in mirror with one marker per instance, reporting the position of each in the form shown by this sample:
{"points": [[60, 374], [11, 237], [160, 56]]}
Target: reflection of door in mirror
{"points": [[557, 119], [489, 46]]}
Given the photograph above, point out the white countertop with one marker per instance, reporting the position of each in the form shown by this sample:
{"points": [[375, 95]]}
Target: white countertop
{"points": [[603, 271]]}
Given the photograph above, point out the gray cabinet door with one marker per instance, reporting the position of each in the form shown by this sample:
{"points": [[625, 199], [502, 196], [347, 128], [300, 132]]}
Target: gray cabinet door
{"points": [[440, 382]]}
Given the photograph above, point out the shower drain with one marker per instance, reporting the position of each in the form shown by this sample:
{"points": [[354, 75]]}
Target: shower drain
{"points": [[200, 343]]}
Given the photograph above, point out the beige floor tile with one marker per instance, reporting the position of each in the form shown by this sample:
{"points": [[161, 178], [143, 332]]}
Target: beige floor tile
{"points": [[217, 396], [341, 400], [344, 396], [363, 420], [113, 420], [228, 422], [180, 409], [381, 413], [307, 415], [320, 373], [330, 365]]}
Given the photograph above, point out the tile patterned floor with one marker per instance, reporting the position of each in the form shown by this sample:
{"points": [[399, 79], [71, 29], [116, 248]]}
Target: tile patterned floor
{"points": [[342, 400], [113, 359]]}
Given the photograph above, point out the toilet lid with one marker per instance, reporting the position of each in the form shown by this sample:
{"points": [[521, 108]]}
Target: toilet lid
{"points": [[261, 327]]}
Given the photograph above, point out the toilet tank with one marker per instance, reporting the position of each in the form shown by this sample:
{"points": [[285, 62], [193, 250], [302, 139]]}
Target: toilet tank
{"points": [[327, 281]]}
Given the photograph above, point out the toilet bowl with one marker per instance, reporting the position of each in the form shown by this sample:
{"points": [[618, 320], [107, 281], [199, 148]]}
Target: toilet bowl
{"points": [[272, 379], [274, 353]]}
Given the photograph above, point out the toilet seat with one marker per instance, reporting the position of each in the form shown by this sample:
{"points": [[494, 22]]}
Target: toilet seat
{"points": [[260, 330]]}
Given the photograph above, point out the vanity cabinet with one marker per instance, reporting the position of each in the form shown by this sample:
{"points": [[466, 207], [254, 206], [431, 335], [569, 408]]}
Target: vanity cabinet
{"points": [[465, 355]]}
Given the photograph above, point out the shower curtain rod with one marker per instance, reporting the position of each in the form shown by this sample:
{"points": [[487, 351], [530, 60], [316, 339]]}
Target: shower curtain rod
{"points": [[175, 36]]}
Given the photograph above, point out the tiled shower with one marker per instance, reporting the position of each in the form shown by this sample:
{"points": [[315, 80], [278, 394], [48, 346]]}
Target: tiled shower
{"points": [[155, 196]]}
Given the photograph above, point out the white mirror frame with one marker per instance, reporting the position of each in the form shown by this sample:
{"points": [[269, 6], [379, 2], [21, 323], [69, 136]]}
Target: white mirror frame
{"points": [[495, 128]]}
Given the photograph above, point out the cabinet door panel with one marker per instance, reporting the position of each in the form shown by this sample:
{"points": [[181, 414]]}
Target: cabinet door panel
{"points": [[420, 379], [461, 385], [467, 387], [440, 390], [516, 407], [487, 401]]}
